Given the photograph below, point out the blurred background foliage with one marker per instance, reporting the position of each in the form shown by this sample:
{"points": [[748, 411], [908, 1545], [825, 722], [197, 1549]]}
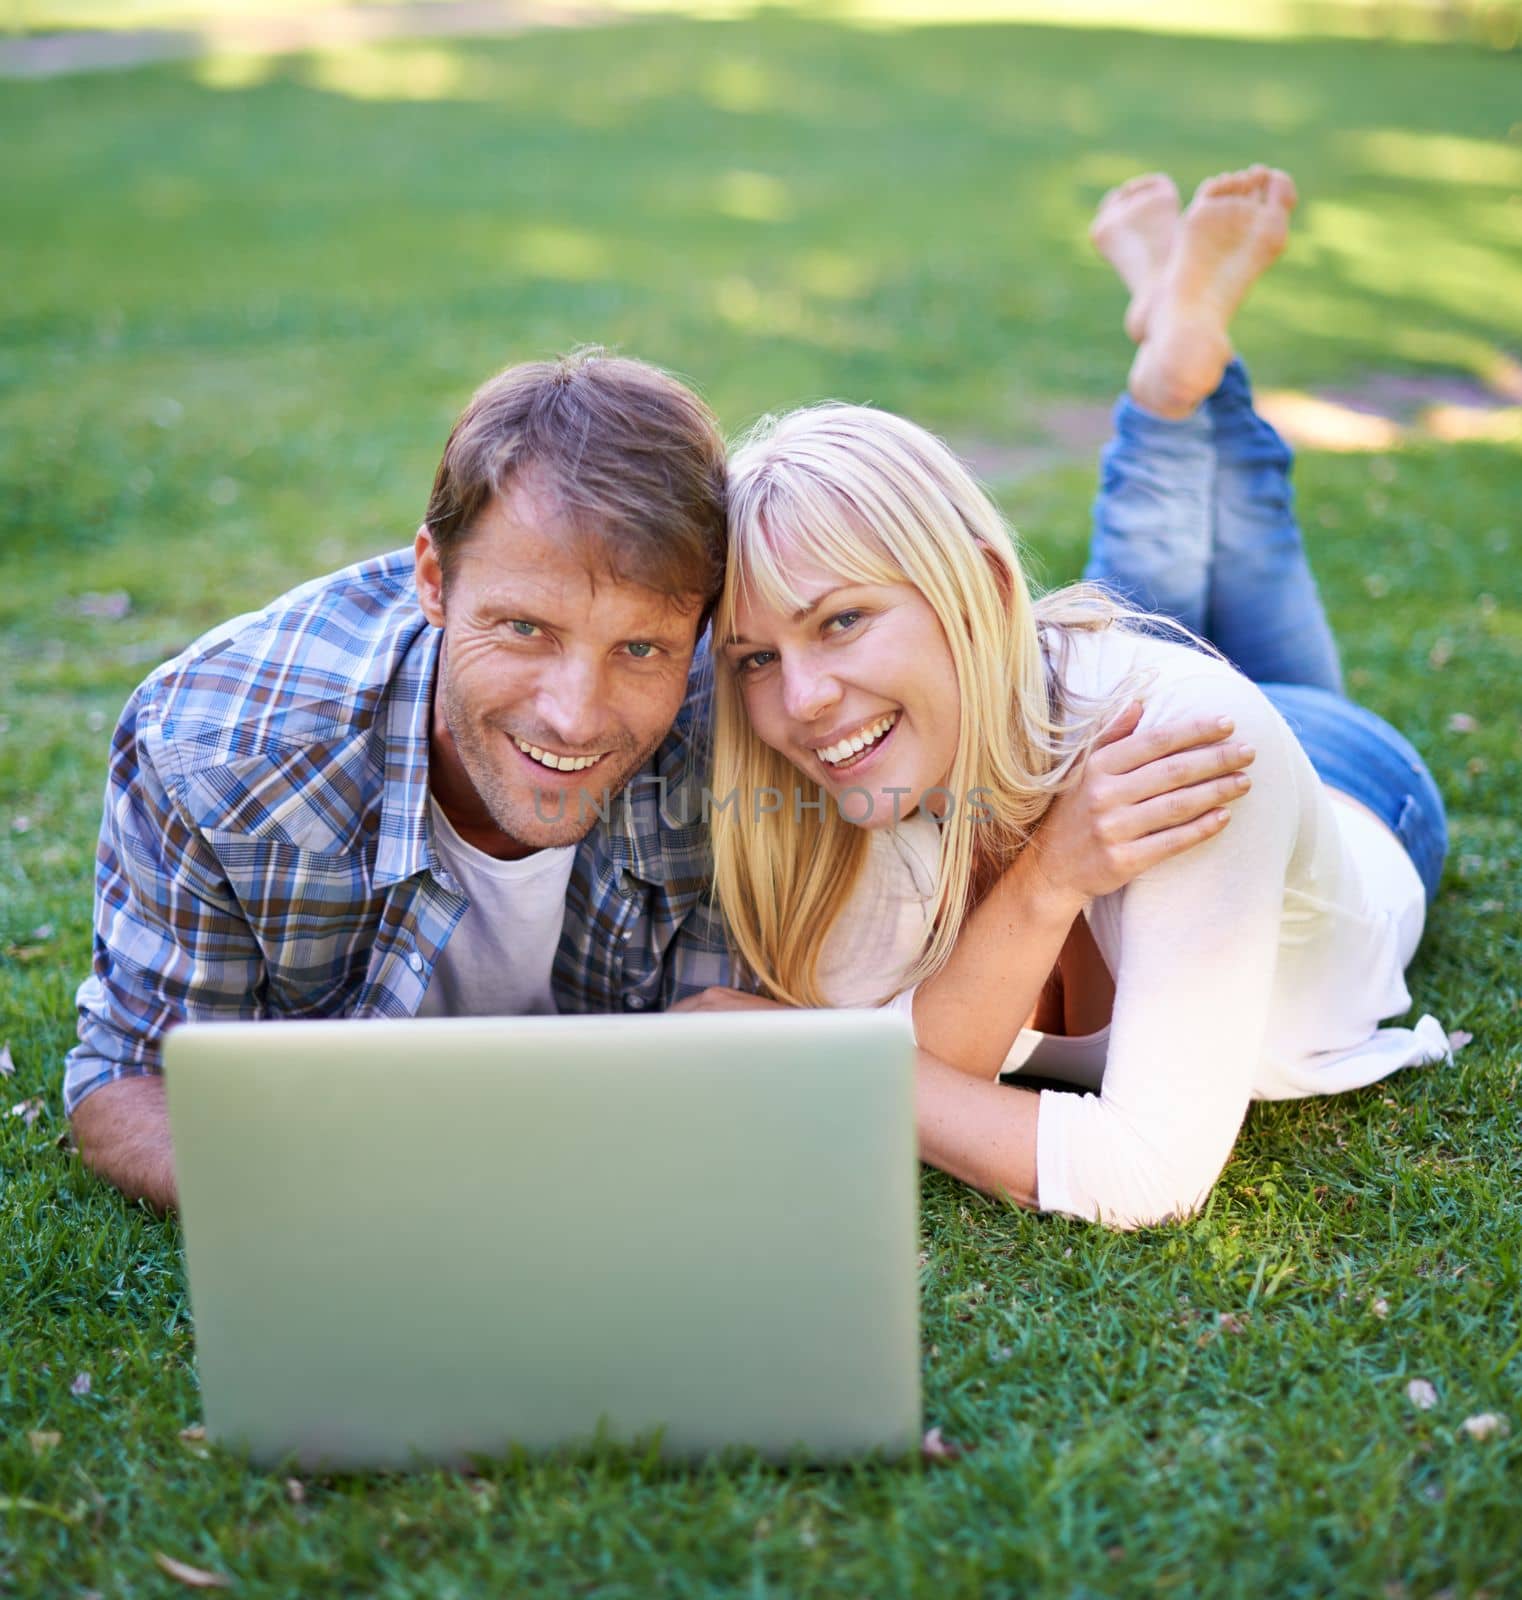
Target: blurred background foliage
{"points": [[245, 294], [1490, 22]]}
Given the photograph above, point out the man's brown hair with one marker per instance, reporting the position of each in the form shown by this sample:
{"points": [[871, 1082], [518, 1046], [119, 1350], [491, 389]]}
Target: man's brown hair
{"points": [[633, 459]]}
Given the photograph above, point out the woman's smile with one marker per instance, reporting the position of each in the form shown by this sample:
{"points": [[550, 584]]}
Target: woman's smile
{"points": [[855, 749], [856, 688]]}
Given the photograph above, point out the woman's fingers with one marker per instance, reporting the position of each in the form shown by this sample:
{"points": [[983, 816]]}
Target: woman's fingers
{"points": [[1139, 749], [1161, 846], [1147, 795], [1182, 769], [1177, 808]]}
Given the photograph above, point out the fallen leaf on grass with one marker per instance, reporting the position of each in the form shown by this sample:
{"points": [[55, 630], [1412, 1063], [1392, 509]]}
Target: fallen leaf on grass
{"points": [[28, 1110], [81, 1384], [1421, 1394], [7, 1065], [933, 1447], [1485, 1425], [42, 1441], [1230, 1322], [1458, 1039], [1380, 1307], [191, 1577], [194, 1440]]}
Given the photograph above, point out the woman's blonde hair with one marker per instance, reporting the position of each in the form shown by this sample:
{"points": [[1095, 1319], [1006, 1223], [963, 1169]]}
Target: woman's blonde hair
{"points": [[877, 499]]}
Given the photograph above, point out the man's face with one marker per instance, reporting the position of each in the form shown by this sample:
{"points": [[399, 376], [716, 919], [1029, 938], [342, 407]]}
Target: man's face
{"points": [[555, 684]]}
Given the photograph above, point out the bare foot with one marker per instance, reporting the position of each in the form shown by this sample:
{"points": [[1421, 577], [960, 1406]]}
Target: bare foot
{"points": [[1232, 232], [1133, 230]]}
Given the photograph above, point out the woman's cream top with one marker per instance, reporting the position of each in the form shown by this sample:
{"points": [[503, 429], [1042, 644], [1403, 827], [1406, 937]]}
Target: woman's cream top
{"points": [[1258, 965]]}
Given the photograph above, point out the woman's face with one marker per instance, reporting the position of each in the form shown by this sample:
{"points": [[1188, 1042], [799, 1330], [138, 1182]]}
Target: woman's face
{"points": [[859, 691]]}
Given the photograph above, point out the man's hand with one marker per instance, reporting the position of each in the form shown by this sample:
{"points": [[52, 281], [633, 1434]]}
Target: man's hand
{"points": [[122, 1130], [727, 1000], [1142, 797]]}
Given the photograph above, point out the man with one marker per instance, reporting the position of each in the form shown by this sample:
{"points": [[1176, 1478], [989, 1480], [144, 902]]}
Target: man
{"points": [[463, 779], [458, 779]]}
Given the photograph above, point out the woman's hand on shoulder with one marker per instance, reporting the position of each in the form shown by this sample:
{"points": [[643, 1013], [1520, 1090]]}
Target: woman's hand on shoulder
{"points": [[1143, 796]]}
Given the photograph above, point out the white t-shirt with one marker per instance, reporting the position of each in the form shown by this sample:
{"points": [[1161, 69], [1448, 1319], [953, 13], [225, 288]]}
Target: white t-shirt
{"points": [[1256, 966], [497, 961]]}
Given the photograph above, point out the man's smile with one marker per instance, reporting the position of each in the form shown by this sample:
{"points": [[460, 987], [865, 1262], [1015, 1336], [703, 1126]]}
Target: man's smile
{"points": [[554, 762]]}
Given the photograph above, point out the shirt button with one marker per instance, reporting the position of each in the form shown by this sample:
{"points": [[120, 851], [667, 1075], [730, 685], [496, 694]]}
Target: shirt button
{"points": [[635, 1002], [415, 961]]}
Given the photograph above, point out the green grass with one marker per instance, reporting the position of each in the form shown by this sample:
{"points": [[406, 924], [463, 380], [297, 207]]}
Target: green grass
{"points": [[238, 315]]}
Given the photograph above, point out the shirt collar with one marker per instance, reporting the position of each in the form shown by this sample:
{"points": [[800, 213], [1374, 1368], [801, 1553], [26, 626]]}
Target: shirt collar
{"points": [[405, 844], [657, 823]]}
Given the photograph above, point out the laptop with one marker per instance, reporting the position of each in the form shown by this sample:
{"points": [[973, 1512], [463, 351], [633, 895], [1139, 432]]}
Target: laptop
{"points": [[424, 1241]]}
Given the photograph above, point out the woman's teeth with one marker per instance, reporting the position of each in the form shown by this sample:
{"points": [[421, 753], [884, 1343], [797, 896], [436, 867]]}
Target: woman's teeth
{"points": [[858, 742], [547, 758]]}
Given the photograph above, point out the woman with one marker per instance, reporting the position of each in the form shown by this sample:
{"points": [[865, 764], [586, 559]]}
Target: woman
{"points": [[880, 652]]}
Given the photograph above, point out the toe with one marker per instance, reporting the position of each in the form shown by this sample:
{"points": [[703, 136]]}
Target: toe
{"points": [[1157, 185], [1106, 201], [1222, 185], [1281, 189]]}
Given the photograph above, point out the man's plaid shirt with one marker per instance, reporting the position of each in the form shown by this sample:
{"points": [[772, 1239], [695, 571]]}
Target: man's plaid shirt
{"points": [[266, 849]]}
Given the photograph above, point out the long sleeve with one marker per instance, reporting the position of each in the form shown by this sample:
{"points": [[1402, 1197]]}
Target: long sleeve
{"points": [[171, 942], [1193, 945]]}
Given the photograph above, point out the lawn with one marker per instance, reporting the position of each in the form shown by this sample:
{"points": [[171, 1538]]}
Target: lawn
{"points": [[242, 301]]}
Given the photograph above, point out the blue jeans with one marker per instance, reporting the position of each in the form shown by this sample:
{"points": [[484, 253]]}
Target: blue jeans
{"points": [[1195, 520]]}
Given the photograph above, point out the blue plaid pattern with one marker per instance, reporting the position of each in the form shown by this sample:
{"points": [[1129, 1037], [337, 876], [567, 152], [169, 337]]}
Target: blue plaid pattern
{"points": [[266, 849]]}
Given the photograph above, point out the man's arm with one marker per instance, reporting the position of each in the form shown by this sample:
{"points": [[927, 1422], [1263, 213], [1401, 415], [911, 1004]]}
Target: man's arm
{"points": [[122, 1131], [171, 943]]}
